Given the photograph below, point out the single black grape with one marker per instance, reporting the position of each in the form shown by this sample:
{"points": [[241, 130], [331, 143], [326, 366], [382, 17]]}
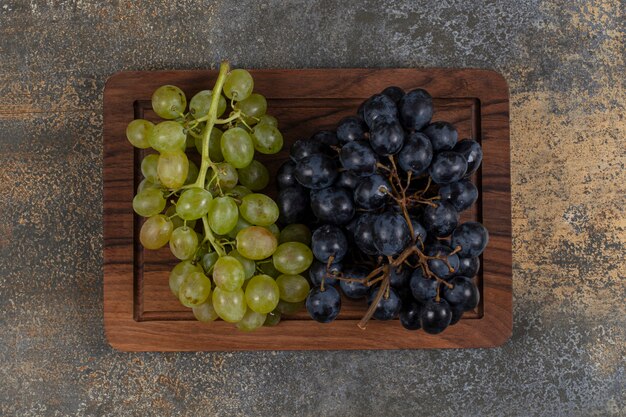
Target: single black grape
{"points": [[372, 193], [416, 109], [353, 289], [419, 231], [386, 136], [347, 179], [410, 315], [351, 128], [472, 152], [468, 267], [377, 106], [328, 241], [306, 147], [416, 154], [457, 311], [400, 277], [472, 237], [333, 205], [292, 204], [391, 233], [447, 167], [423, 288], [394, 93], [326, 137], [440, 219], [387, 308], [442, 135], [318, 270], [438, 266], [286, 176], [363, 233], [316, 171], [323, 306], [461, 194], [463, 292], [435, 316], [359, 158]]}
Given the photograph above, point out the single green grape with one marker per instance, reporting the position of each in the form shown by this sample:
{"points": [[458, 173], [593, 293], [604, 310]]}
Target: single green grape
{"points": [[238, 85], [168, 136], [208, 261], [169, 102], [255, 176], [225, 175], [194, 289], [177, 221], [193, 203], [205, 311], [268, 120], [241, 224], [149, 167], [138, 131], [192, 173], [215, 150], [172, 169], [253, 108], [239, 191], [223, 215], [249, 267], [190, 142], [295, 232], [229, 305], [293, 288], [256, 243], [183, 242], [179, 272], [146, 184], [267, 139], [228, 273], [267, 267], [274, 229], [237, 147], [288, 308], [200, 104], [149, 202], [292, 258], [251, 321], [262, 294], [259, 209], [156, 232], [272, 318]]}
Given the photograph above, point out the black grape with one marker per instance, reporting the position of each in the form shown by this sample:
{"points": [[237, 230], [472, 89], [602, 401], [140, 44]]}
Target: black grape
{"points": [[326, 137], [447, 167], [394, 93], [292, 204], [328, 241], [435, 316], [363, 233], [352, 289], [386, 136], [440, 219], [419, 231], [416, 154], [351, 128], [306, 147], [387, 308], [359, 158], [316, 171], [372, 193], [378, 106], [472, 237], [438, 266], [461, 194], [468, 267], [399, 277], [286, 175], [391, 233], [423, 288], [457, 312], [332, 205], [416, 109], [442, 135], [410, 315], [472, 152], [323, 306], [463, 292], [347, 179], [318, 270]]}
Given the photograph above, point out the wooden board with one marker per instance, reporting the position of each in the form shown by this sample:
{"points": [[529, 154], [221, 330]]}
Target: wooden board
{"points": [[140, 312]]}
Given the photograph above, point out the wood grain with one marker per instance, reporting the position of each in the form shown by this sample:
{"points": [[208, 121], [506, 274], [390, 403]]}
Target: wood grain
{"points": [[140, 312]]}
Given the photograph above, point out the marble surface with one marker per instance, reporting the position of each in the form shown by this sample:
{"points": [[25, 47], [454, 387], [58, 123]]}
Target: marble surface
{"points": [[565, 64]]}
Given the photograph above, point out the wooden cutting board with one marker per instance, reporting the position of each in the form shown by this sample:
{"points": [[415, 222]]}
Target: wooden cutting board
{"points": [[140, 312]]}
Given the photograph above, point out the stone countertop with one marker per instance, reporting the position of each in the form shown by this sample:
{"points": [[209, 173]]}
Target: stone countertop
{"points": [[565, 64]]}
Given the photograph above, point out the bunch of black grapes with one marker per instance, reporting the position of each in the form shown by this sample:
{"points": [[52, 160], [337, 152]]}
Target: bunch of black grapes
{"points": [[383, 194]]}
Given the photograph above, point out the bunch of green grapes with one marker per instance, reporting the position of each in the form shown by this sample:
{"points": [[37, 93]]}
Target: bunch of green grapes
{"points": [[236, 264]]}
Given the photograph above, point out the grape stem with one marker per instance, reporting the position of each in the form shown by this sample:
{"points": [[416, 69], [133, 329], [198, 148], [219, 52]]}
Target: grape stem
{"points": [[209, 237]]}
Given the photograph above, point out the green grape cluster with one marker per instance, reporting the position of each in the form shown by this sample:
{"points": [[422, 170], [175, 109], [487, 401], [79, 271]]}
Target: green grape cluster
{"points": [[235, 262]]}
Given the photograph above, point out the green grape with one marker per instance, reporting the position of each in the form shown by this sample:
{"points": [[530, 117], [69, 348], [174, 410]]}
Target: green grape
{"points": [[267, 267], [259, 209], [194, 289], [241, 224], [272, 318], [169, 101], [179, 272], [193, 203], [202, 250], [274, 229], [177, 221], [208, 261], [205, 311], [256, 243], [253, 108], [248, 265], [288, 308], [190, 142], [149, 202], [149, 167], [239, 192], [200, 104], [229, 305], [237, 147], [215, 151], [292, 258], [255, 176], [172, 169], [137, 133], [267, 139], [184, 242], [262, 294], [223, 215], [156, 232], [168, 136], [192, 173], [226, 178], [266, 119], [238, 85], [147, 184], [228, 273], [295, 233], [293, 288], [251, 321]]}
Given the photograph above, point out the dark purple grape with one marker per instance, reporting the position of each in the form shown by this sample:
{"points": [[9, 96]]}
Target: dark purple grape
{"points": [[419, 231], [468, 267], [423, 288], [472, 237], [333, 205], [286, 175], [323, 306], [447, 167], [461, 194], [394, 93], [318, 270], [292, 204], [351, 289], [358, 158], [326, 137], [416, 154], [391, 233], [435, 316], [379, 106], [306, 147], [348, 180], [328, 241], [386, 136], [372, 193], [363, 233], [399, 277], [463, 292], [351, 128], [416, 109], [387, 308], [442, 135], [440, 219], [410, 315], [316, 171], [457, 312], [472, 152], [438, 266]]}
